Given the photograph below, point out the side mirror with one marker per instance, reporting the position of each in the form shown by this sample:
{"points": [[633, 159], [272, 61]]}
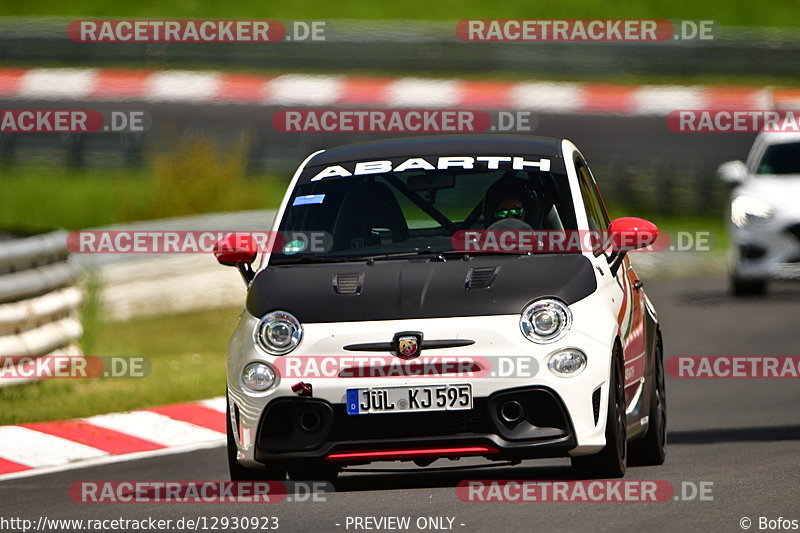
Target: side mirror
{"points": [[630, 233], [733, 172], [239, 250]]}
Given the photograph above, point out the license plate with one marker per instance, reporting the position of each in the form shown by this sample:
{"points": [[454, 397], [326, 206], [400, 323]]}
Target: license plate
{"points": [[409, 399]]}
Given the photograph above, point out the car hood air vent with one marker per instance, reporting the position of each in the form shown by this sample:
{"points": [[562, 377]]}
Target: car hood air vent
{"points": [[481, 277], [348, 282]]}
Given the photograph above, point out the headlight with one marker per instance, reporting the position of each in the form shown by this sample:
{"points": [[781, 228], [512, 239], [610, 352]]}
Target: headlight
{"points": [[258, 376], [278, 333], [745, 209], [545, 320], [566, 363]]}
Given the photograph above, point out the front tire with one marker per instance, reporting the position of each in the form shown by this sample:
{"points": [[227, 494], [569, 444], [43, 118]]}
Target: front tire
{"points": [[651, 449], [239, 472], [748, 287], [610, 461]]}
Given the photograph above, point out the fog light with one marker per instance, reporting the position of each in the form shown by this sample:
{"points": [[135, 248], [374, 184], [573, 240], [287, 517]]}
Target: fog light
{"points": [[258, 376], [566, 363]]}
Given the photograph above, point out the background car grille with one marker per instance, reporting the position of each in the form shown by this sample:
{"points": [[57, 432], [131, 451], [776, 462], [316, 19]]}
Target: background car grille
{"points": [[794, 231]]}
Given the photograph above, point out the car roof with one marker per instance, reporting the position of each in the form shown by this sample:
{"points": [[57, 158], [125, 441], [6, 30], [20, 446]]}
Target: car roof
{"points": [[442, 145]]}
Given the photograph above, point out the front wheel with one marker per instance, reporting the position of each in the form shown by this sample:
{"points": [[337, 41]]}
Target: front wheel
{"points": [[610, 461], [748, 287], [651, 449]]}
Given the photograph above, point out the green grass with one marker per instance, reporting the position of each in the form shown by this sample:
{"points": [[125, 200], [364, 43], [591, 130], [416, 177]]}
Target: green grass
{"points": [[38, 199], [187, 356], [727, 12], [34, 199]]}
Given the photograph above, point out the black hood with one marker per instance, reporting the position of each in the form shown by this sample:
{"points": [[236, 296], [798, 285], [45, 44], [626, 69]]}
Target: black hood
{"points": [[403, 289]]}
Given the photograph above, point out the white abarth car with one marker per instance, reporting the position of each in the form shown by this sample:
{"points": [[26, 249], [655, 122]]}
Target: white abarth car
{"points": [[765, 213], [401, 318]]}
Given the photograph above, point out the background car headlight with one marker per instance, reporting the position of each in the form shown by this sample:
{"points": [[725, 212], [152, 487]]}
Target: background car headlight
{"points": [[278, 333], [258, 376], [545, 320], [567, 362], [746, 209]]}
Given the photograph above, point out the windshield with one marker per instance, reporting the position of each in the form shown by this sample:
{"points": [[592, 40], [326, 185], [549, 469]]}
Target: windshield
{"points": [[781, 158], [417, 212]]}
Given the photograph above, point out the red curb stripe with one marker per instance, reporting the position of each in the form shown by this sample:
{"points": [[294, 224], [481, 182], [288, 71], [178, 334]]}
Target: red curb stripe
{"points": [[11, 80], [489, 94], [606, 98], [7, 467], [725, 98], [120, 83], [365, 91], [134, 84], [82, 432], [194, 414], [242, 88], [784, 98]]}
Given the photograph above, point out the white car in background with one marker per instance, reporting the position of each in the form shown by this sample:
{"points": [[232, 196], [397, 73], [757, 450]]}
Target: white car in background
{"points": [[765, 213]]}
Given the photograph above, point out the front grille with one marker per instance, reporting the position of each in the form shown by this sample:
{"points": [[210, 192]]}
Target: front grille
{"points": [[596, 405], [794, 231], [751, 252], [409, 425], [348, 282], [481, 277]]}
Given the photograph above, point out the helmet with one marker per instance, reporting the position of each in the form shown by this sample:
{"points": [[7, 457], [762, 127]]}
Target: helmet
{"points": [[509, 187]]}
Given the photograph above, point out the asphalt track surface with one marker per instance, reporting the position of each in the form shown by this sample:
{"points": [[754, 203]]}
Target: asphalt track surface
{"points": [[741, 434]]}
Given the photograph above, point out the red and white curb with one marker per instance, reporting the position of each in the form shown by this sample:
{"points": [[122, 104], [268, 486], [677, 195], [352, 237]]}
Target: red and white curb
{"points": [[303, 90], [46, 447]]}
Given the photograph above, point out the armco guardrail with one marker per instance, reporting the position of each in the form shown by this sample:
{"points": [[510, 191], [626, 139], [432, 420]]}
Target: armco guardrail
{"points": [[139, 285], [416, 46], [39, 300]]}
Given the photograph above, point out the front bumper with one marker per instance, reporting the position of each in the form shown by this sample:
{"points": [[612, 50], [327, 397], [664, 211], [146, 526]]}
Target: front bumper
{"points": [[308, 428], [767, 250], [577, 430]]}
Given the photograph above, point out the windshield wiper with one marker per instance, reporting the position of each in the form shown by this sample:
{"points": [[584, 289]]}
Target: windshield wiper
{"points": [[286, 260], [433, 255]]}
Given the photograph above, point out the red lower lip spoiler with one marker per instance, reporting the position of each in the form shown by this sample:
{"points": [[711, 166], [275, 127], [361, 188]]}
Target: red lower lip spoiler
{"points": [[412, 453]]}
